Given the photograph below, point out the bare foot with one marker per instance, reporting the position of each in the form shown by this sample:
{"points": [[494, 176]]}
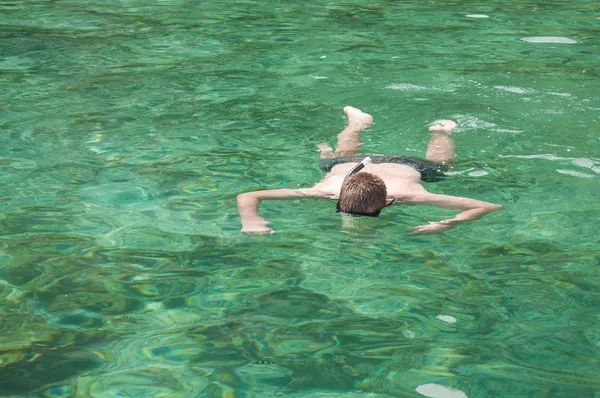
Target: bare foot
{"points": [[357, 118], [326, 151], [443, 126]]}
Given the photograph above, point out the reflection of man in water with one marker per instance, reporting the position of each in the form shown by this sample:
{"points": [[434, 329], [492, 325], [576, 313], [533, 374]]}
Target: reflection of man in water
{"points": [[384, 181]]}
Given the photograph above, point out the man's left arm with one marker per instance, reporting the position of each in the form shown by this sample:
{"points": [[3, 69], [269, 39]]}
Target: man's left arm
{"points": [[472, 209]]}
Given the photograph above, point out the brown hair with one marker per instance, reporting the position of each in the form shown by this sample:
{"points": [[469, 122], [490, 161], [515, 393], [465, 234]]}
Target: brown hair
{"points": [[363, 193]]}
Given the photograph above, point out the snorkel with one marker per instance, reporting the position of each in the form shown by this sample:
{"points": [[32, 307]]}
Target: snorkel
{"points": [[357, 168]]}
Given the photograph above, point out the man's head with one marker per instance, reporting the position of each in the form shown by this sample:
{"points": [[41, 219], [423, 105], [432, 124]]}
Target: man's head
{"points": [[362, 194]]}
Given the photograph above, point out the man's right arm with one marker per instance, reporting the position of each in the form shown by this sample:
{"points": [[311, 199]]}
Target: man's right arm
{"points": [[252, 222]]}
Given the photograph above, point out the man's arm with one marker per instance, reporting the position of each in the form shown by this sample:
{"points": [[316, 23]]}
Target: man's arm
{"points": [[252, 222], [472, 209]]}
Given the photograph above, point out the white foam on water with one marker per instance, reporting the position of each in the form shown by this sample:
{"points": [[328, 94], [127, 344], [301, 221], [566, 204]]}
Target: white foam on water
{"points": [[407, 87], [319, 77], [466, 123], [516, 90], [479, 173], [548, 39], [561, 94], [587, 163], [561, 146], [508, 131], [446, 318], [545, 156], [477, 16], [591, 164], [447, 88], [433, 390], [575, 173], [584, 162]]}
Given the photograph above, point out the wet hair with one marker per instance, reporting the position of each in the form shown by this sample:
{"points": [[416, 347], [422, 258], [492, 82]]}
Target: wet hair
{"points": [[362, 194]]}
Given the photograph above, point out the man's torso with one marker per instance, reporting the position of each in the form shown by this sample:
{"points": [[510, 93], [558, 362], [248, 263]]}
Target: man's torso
{"points": [[399, 179]]}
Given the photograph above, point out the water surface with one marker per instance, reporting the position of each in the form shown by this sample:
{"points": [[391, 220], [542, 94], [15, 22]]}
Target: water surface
{"points": [[129, 127]]}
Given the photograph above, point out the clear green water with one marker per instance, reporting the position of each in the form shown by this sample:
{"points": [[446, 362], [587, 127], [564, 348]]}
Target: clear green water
{"points": [[129, 127]]}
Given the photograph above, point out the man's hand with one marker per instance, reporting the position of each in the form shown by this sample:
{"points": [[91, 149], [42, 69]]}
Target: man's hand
{"points": [[256, 229], [431, 228]]}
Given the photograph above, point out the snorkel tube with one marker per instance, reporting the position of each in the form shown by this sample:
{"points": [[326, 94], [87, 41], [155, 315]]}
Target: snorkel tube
{"points": [[357, 168]]}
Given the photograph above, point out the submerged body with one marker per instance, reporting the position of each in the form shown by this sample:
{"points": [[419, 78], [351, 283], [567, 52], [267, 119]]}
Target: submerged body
{"points": [[403, 182]]}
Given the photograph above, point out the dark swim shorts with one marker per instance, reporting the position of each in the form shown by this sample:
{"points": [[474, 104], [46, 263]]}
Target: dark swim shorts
{"points": [[430, 171]]}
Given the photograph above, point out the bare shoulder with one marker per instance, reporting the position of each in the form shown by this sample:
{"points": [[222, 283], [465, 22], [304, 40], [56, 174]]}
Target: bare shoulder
{"points": [[410, 195]]}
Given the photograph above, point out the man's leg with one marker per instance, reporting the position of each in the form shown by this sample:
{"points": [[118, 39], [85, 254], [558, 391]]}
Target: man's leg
{"points": [[441, 148], [349, 139]]}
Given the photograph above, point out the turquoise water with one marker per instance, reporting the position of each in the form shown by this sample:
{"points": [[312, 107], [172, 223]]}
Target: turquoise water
{"points": [[129, 127]]}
